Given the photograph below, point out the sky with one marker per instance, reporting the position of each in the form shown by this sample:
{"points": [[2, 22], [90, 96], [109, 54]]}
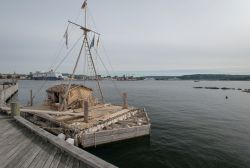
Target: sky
{"points": [[163, 37]]}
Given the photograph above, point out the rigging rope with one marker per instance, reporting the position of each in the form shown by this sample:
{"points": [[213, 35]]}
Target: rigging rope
{"points": [[45, 81], [66, 56], [107, 71], [105, 53], [57, 54]]}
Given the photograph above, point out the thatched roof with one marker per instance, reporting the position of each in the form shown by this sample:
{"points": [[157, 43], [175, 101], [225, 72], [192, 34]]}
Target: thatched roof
{"points": [[63, 87]]}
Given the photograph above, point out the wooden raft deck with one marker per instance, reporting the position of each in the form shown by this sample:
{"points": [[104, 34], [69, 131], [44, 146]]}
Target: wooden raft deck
{"points": [[24, 147]]}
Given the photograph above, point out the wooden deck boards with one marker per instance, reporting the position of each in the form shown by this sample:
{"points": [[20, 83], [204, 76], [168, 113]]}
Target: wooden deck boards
{"points": [[19, 147]]}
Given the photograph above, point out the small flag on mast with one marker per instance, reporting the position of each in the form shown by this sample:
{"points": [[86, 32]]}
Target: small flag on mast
{"points": [[66, 36], [92, 42], [84, 4], [98, 40]]}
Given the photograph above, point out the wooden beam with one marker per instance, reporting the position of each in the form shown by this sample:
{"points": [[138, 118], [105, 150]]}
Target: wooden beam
{"points": [[86, 111], [70, 112], [84, 28], [69, 118]]}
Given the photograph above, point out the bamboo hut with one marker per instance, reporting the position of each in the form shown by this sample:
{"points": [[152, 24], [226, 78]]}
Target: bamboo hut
{"points": [[73, 99]]}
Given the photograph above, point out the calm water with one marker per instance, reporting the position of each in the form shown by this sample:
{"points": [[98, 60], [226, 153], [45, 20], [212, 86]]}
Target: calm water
{"points": [[191, 128]]}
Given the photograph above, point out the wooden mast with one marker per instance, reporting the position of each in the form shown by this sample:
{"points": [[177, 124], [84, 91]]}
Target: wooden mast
{"points": [[85, 41], [64, 104], [89, 50]]}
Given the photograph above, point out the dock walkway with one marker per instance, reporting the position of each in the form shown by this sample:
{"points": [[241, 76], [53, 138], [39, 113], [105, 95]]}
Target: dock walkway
{"points": [[6, 92], [23, 147]]}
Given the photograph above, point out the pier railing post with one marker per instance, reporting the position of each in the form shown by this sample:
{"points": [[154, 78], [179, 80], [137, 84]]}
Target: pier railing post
{"points": [[125, 102], [86, 111], [31, 98], [15, 109]]}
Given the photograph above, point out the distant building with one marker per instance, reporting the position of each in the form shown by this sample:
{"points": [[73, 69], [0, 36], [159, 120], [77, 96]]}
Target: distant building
{"points": [[51, 75], [149, 79]]}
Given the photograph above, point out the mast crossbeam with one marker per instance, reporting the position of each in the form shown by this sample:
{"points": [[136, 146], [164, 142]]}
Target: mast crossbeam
{"points": [[84, 28]]}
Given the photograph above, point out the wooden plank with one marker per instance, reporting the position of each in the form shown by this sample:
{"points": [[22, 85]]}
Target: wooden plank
{"points": [[33, 111], [56, 159], [33, 150], [135, 133], [113, 138], [11, 134], [76, 163], [39, 157], [83, 165], [10, 142], [6, 131], [10, 139], [63, 161], [76, 152], [70, 118], [50, 152], [8, 150], [5, 160], [70, 162], [4, 126], [117, 131], [30, 160], [49, 118], [15, 161], [12, 127], [51, 158]]}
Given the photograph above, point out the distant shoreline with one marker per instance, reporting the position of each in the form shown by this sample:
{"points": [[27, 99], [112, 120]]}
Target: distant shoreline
{"points": [[206, 77], [194, 77]]}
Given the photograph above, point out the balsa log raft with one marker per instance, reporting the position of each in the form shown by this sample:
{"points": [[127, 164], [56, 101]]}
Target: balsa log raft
{"points": [[89, 123], [98, 135], [108, 136], [121, 125]]}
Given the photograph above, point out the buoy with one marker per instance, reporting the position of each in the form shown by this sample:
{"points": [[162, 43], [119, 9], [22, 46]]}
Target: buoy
{"points": [[226, 97]]}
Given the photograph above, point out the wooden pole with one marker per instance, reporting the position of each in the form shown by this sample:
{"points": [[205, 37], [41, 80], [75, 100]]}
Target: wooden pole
{"points": [[86, 111], [15, 109], [64, 104], [31, 98], [125, 102]]}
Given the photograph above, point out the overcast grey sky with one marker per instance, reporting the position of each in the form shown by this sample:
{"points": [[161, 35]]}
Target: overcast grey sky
{"points": [[184, 36]]}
